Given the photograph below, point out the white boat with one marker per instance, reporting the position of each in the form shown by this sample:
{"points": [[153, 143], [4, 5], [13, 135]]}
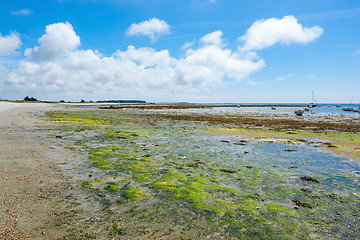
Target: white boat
{"points": [[273, 108], [339, 105], [349, 109], [313, 101], [299, 112], [307, 109]]}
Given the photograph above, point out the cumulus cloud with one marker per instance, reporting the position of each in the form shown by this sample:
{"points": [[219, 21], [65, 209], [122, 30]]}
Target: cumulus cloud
{"points": [[59, 40], [9, 44], [265, 33], [21, 12], [57, 65], [213, 38], [59, 68], [153, 28]]}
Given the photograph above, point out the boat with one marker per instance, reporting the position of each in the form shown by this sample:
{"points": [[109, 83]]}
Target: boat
{"points": [[313, 101], [307, 109], [299, 111], [273, 108], [349, 109], [355, 110], [339, 105], [329, 105]]}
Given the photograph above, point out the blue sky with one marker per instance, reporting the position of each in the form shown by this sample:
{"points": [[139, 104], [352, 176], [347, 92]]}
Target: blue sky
{"points": [[194, 50]]}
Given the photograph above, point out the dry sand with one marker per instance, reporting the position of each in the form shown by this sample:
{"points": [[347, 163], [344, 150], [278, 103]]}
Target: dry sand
{"points": [[29, 177]]}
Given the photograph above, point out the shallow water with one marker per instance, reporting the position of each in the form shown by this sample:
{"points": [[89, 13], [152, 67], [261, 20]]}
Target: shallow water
{"points": [[322, 110], [266, 188]]}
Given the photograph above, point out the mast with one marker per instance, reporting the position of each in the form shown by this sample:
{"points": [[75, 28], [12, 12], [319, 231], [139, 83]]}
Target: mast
{"points": [[313, 99]]}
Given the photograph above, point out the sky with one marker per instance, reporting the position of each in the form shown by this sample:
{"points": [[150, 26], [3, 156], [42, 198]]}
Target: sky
{"points": [[216, 51]]}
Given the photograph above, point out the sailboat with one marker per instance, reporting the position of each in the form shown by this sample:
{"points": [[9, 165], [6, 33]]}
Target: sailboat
{"points": [[313, 101], [349, 109]]}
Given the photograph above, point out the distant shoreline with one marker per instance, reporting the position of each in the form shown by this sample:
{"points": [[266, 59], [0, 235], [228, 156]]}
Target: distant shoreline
{"points": [[185, 106]]}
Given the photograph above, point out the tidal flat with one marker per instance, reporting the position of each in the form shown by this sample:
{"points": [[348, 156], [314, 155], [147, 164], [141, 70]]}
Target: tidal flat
{"points": [[153, 175]]}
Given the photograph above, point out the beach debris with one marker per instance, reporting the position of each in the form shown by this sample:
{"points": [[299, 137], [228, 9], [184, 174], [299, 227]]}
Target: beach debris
{"points": [[196, 164], [304, 141], [335, 197], [310, 179], [329, 145], [307, 190], [300, 204], [290, 150], [228, 171]]}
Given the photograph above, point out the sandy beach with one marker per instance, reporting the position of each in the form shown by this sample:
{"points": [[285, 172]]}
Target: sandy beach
{"points": [[28, 175]]}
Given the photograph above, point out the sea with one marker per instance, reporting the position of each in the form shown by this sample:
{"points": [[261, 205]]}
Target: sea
{"points": [[322, 109]]}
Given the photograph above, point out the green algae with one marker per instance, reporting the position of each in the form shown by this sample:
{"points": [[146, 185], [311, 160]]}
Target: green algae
{"points": [[113, 186], [184, 171], [280, 209], [87, 184], [132, 194]]}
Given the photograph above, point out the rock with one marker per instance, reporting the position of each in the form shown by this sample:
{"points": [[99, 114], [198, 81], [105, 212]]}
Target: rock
{"points": [[310, 179]]}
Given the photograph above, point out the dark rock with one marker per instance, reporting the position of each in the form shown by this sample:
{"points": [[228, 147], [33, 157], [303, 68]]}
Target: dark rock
{"points": [[310, 179], [300, 204], [228, 171]]}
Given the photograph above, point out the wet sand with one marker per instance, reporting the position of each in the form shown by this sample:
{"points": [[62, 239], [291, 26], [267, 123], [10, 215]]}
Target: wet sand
{"points": [[29, 176]]}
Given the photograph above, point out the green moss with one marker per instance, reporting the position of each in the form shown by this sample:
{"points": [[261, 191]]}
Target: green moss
{"points": [[70, 118], [113, 186], [87, 184], [277, 208], [185, 173], [317, 223], [142, 178], [132, 194], [139, 167]]}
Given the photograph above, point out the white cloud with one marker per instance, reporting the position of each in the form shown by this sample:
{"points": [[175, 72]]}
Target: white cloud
{"points": [[265, 33], [21, 12], [59, 40], [57, 68], [153, 28], [188, 45], [280, 78], [9, 44], [213, 38]]}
